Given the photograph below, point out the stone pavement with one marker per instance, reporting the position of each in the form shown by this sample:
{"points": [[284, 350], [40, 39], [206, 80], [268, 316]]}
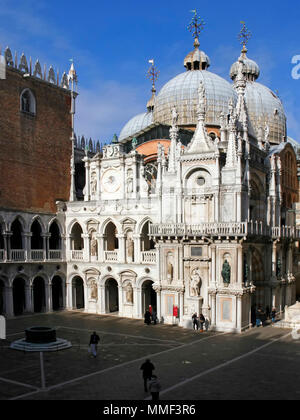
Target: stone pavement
{"points": [[259, 364]]}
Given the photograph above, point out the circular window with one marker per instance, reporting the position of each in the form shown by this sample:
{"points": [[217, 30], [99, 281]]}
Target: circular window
{"points": [[200, 181]]}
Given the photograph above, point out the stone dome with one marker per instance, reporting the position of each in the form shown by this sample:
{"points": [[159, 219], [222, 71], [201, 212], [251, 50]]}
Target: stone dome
{"points": [[252, 69], [182, 92], [136, 124], [264, 106]]}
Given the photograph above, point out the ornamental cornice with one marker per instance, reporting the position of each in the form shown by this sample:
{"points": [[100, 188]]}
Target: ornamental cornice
{"points": [[195, 157]]}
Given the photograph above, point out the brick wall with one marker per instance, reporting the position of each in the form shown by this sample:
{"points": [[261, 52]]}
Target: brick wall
{"points": [[35, 151]]}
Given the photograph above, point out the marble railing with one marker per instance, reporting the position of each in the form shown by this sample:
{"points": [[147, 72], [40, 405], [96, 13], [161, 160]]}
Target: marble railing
{"points": [[37, 255], [77, 255], [55, 254], [17, 255], [111, 256], [224, 229], [148, 257]]}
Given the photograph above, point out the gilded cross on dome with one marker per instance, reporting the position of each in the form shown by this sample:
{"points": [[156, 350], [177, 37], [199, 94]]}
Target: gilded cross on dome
{"points": [[244, 36], [153, 73], [196, 26]]}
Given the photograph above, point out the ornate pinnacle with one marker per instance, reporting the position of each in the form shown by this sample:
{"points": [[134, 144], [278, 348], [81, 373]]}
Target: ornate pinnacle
{"points": [[152, 74], [196, 27], [244, 36]]}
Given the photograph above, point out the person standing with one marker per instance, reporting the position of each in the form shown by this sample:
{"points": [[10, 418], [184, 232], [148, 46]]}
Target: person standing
{"points": [[154, 316], [202, 321], [147, 317], [273, 315], [206, 324], [258, 317], [94, 340], [154, 387], [147, 368], [195, 321]]}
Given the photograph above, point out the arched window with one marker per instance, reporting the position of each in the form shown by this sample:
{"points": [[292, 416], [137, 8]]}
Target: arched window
{"points": [[27, 102], [55, 238], [36, 238]]}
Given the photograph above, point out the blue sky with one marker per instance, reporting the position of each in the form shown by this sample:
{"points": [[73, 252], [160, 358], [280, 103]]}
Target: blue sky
{"points": [[111, 43]]}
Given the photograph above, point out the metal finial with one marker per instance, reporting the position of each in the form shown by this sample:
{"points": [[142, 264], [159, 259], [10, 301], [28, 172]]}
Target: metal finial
{"points": [[153, 73], [244, 36], [196, 26]]}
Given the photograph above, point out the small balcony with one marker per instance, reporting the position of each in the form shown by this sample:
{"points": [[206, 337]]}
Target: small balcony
{"points": [[148, 257]]}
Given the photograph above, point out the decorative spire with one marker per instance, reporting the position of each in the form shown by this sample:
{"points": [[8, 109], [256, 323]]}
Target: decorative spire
{"points": [[244, 37], [152, 74], [196, 27], [72, 75], [174, 137]]}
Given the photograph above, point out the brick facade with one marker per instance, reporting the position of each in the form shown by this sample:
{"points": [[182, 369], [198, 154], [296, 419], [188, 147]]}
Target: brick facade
{"points": [[35, 150]]}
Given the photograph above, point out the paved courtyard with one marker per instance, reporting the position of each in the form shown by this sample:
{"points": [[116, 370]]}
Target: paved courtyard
{"points": [[259, 364]]}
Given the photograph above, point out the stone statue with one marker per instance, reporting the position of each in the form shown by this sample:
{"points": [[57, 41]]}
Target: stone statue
{"points": [[134, 143], [94, 247], [278, 267], [130, 249], [226, 272], [129, 293], [174, 116], [94, 290], [195, 283], [129, 185], [94, 184], [170, 271]]}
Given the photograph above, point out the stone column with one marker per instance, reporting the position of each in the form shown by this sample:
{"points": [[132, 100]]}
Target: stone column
{"points": [[158, 301], [68, 247], [213, 279], [239, 313], [120, 291], [101, 247], [139, 302], [64, 292], [86, 296], [69, 297], [181, 308], [101, 297], [121, 251], [29, 298], [48, 296], [87, 179], [27, 245], [240, 276], [6, 249], [86, 245], [213, 310], [45, 237], [137, 249], [9, 302], [8, 244]]}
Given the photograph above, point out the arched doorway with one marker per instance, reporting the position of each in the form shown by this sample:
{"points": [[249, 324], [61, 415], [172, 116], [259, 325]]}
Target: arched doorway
{"points": [[112, 242], [78, 293], [39, 299], [57, 293], [55, 238], [1, 297], [16, 239], [19, 296], [76, 235], [36, 237], [148, 296], [112, 295], [146, 243]]}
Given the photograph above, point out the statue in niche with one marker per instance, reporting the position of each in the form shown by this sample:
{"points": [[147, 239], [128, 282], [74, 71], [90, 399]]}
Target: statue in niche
{"points": [[129, 185], [130, 249], [195, 283], [93, 184], [278, 267], [226, 269], [94, 247], [170, 271], [129, 293], [94, 290]]}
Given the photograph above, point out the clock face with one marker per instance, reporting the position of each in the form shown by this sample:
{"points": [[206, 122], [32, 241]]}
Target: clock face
{"points": [[111, 181]]}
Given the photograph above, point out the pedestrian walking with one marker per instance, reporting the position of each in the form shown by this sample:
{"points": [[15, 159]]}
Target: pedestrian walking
{"points": [[268, 312], [195, 321], [273, 315], [147, 368], [154, 387], [201, 321], [258, 317], [94, 340], [263, 317], [206, 324]]}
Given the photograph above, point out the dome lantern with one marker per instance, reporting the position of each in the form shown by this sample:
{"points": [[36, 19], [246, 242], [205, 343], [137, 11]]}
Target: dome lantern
{"points": [[196, 59]]}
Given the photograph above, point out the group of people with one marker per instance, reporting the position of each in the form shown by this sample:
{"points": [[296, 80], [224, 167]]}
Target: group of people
{"points": [[200, 321], [260, 316], [151, 381], [150, 317]]}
